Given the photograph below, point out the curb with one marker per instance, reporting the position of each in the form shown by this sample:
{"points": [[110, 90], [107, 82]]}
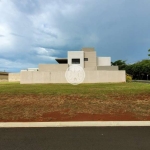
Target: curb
{"points": [[75, 124]]}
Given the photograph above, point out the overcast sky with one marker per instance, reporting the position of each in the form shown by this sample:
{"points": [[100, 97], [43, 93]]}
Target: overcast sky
{"points": [[38, 31]]}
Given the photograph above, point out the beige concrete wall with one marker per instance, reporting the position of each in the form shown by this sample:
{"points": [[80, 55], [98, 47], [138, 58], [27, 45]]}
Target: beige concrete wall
{"points": [[104, 76], [43, 77], [35, 77], [53, 67], [32, 69], [103, 61], [88, 49], [59, 77], [107, 67], [13, 77], [92, 59], [90, 68], [76, 55]]}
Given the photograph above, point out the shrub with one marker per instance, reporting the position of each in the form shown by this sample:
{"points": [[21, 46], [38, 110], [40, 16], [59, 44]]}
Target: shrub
{"points": [[128, 78]]}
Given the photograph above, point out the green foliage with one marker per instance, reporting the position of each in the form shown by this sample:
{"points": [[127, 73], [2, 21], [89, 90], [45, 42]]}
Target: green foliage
{"points": [[139, 70], [128, 78], [120, 63]]}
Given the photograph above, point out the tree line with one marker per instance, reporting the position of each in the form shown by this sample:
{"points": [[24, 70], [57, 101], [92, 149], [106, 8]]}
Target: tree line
{"points": [[139, 70]]}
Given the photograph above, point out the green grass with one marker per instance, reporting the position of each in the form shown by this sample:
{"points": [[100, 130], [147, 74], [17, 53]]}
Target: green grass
{"points": [[82, 89], [33, 101]]}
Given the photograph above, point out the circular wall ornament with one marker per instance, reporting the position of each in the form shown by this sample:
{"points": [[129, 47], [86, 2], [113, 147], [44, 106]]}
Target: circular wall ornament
{"points": [[75, 74]]}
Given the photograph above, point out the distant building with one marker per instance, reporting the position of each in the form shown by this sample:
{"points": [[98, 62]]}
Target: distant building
{"points": [[3, 76], [97, 69], [87, 59]]}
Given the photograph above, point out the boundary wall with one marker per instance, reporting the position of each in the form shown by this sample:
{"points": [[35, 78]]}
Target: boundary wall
{"points": [[14, 77], [31, 77]]}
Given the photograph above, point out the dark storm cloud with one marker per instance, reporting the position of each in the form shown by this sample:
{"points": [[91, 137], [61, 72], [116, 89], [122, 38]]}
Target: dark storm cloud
{"points": [[38, 31]]}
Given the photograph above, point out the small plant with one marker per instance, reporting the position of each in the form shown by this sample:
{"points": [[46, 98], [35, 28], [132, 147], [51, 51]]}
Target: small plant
{"points": [[128, 78]]}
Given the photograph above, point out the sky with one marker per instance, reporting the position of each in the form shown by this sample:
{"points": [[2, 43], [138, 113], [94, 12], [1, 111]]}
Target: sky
{"points": [[36, 32]]}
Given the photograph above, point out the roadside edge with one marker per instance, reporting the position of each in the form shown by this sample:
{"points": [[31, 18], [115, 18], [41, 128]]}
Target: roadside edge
{"points": [[74, 124]]}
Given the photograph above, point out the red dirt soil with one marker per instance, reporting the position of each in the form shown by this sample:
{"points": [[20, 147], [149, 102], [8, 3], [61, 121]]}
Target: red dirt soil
{"points": [[59, 116], [140, 104]]}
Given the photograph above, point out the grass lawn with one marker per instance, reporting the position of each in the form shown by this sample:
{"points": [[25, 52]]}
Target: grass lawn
{"points": [[65, 102]]}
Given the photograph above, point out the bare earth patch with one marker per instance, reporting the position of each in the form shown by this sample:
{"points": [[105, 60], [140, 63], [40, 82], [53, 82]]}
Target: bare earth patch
{"points": [[72, 107]]}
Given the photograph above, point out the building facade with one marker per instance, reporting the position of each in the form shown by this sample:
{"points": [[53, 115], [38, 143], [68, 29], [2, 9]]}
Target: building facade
{"points": [[97, 69]]}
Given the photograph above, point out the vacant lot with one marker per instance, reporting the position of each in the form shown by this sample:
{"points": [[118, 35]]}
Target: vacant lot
{"points": [[65, 102]]}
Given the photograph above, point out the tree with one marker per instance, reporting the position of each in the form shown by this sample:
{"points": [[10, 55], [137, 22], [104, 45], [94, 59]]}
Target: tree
{"points": [[139, 70], [120, 63]]}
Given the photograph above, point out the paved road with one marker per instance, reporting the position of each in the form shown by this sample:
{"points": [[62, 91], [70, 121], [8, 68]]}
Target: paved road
{"points": [[79, 138], [142, 81]]}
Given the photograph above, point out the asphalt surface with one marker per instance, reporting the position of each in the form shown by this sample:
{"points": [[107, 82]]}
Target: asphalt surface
{"points": [[75, 138], [142, 81]]}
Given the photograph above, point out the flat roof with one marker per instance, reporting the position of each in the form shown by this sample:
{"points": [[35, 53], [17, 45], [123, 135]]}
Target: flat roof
{"points": [[62, 60]]}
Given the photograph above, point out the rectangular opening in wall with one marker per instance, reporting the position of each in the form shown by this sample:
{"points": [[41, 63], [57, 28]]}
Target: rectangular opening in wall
{"points": [[75, 61], [85, 59]]}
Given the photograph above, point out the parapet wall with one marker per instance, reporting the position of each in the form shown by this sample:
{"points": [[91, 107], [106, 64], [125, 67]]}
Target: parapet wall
{"points": [[107, 68], [14, 77], [59, 77], [53, 67]]}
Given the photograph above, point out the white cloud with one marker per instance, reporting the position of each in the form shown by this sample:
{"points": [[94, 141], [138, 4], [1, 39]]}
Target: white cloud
{"points": [[45, 52], [9, 65], [6, 40], [45, 58]]}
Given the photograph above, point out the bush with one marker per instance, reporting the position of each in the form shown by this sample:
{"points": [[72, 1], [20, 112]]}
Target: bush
{"points": [[139, 70], [128, 78]]}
